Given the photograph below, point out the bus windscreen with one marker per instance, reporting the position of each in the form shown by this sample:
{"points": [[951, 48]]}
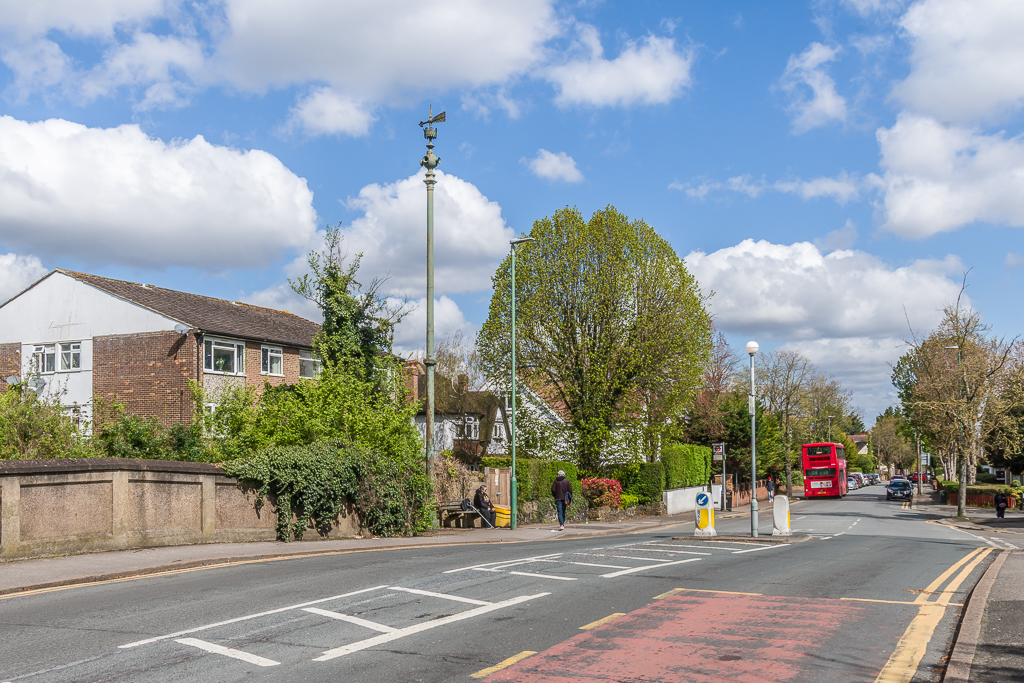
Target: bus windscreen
{"points": [[821, 472], [819, 450]]}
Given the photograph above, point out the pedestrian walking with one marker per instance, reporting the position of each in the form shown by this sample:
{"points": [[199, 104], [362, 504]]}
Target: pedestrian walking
{"points": [[771, 490], [1001, 504], [561, 489]]}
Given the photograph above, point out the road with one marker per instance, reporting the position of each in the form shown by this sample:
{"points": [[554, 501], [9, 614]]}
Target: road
{"points": [[878, 589]]}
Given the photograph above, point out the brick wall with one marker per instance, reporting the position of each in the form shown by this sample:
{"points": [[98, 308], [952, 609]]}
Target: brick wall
{"points": [[147, 373], [10, 363]]}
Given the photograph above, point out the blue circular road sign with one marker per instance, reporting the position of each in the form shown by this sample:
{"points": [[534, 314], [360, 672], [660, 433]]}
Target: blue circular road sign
{"points": [[702, 499]]}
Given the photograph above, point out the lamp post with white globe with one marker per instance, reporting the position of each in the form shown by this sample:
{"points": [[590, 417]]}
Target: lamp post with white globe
{"points": [[752, 348]]}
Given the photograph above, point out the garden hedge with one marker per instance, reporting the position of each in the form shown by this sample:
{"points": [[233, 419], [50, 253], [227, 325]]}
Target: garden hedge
{"points": [[685, 465]]}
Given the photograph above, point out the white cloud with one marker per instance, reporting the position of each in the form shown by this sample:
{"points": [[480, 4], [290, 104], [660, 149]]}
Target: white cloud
{"points": [[368, 53], [967, 58], [647, 71], [552, 166], [744, 184], [116, 195], [470, 235], [1014, 260], [17, 272], [411, 333], [842, 188], [324, 112], [843, 238], [867, 7], [805, 73], [76, 17], [162, 65], [794, 292], [940, 177]]}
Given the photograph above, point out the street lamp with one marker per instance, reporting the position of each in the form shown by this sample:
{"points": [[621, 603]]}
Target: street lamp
{"points": [[830, 427], [515, 482], [962, 470], [430, 162], [752, 348]]}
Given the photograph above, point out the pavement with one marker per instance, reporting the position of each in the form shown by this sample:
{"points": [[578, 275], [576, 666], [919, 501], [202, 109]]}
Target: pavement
{"points": [[51, 572], [876, 593]]}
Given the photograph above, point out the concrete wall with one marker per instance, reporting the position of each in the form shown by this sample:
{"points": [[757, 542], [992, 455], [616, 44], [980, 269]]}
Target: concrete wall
{"points": [[67, 506], [681, 500]]}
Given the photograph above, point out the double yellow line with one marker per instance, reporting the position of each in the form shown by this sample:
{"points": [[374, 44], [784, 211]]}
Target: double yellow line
{"points": [[910, 649]]}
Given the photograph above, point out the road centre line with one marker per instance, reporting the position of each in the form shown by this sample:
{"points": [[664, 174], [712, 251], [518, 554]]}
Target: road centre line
{"points": [[457, 598], [586, 564], [227, 652], [504, 664], [601, 622], [373, 625], [545, 576], [754, 550], [423, 626], [247, 617], [488, 564], [652, 566]]}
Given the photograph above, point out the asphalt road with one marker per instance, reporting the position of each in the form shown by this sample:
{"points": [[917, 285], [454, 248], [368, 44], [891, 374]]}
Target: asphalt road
{"points": [[877, 589]]}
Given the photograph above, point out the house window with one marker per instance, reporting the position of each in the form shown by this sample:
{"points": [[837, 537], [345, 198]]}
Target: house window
{"points": [[224, 357], [469, 429], [44, 359], [70, 356], [273, 361], [499, 432], [309, 364]]}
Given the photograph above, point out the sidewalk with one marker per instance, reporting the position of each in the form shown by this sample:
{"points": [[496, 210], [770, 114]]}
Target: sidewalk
{"points": [[988, 647], [978, 519], [38, 574]]}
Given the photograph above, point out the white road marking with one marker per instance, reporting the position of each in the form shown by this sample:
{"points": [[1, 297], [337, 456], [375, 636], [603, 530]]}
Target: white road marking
{"points": [[425, 626], [446, 596], [629, 557], [227, 652], [706, 546], [350, 619], [488, 564], [650, 566], [586, 564], [754, 550], [250, 616], [672, 552], [544, 576]]}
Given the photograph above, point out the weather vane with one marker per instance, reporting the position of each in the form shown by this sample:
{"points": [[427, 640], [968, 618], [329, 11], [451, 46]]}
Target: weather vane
{"points": [[430, 161]]}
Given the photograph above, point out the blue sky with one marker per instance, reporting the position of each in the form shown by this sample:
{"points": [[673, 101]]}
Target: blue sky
{"points": [[829, 169]]}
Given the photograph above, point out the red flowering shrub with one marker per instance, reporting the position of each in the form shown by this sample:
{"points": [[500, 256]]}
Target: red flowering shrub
{"points": [[602, 492]]}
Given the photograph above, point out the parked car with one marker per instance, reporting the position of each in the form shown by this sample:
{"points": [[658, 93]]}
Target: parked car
{"points": [[852, 484], [899, 489]]}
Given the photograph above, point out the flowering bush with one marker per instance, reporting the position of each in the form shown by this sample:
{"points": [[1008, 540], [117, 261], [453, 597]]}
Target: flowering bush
{"points": [[602, 492]]}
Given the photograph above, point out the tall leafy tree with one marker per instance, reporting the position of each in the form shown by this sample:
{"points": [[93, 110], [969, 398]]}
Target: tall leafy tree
{"points": [[609, 319], [783, 380]]}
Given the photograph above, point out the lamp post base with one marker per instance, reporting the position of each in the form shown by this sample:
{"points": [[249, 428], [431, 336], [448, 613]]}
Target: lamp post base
{"points": [[512, 500]]}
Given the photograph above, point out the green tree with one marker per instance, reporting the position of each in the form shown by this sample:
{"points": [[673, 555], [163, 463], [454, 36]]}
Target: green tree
{"points": [[359, 324], [609, 319]]}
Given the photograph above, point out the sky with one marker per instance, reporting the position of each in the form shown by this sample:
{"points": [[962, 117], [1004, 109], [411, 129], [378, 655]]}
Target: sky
{"points": [[831, 171]]}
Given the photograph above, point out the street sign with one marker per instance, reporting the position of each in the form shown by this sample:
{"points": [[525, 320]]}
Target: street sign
{"points": [[926, 459], [718, 452], [705, 512]]}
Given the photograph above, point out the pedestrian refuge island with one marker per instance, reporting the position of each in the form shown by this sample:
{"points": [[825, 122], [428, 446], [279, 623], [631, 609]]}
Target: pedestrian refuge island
{"points": [[780, 517], [705, 514]]}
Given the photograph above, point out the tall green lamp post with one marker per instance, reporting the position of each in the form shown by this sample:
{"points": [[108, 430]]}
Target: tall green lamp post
{"points": [[515, 482], [752, 348], [430, 162]]}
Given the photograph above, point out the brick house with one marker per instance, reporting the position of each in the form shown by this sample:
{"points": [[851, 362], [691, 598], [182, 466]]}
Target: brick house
{"points": [[89, 337]]}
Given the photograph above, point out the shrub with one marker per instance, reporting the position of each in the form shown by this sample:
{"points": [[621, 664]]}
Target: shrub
{"points": [[685, 465], [35, 427], [602, 492], [649, 482], [391, 495], [629, 500]]}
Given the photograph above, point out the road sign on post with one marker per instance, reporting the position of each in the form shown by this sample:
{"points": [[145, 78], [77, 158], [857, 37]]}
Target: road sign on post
{"points": [[718, 454], [705, 516]]}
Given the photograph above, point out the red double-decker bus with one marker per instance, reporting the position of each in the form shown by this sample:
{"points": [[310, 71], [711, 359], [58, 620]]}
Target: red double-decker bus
{"points": [[824, 470]]}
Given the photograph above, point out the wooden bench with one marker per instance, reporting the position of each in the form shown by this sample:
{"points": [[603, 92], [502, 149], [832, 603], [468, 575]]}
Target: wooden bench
{"points": [[453, 516]]}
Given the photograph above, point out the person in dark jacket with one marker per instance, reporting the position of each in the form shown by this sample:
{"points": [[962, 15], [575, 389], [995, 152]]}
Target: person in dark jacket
{"points": [[483, 504], [771, 490], [1002, 503], [561, 489]]}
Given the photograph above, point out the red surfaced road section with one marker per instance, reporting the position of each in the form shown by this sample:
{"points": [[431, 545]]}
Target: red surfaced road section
{"points": [[694, 637]]}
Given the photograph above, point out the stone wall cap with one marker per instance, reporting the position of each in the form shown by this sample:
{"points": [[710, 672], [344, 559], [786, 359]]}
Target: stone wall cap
{"points": [[72, 465]]}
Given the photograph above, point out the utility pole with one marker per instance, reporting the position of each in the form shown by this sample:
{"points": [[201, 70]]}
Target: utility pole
{"points": [[752, 348], [515, 482], [430, 162]]}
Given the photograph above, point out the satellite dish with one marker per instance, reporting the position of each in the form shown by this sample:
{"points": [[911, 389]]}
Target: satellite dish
{"points": [[37, 384], [13, 379], [181, 328]]}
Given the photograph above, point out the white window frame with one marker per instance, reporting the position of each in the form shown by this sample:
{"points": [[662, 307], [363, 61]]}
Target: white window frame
{"points": [[307, 357], [213, 342], [40, 352], [74, 351], [267, 353]]}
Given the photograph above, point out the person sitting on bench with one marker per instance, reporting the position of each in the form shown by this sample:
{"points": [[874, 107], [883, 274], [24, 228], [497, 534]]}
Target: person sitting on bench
{"points": [[483, 505]]}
